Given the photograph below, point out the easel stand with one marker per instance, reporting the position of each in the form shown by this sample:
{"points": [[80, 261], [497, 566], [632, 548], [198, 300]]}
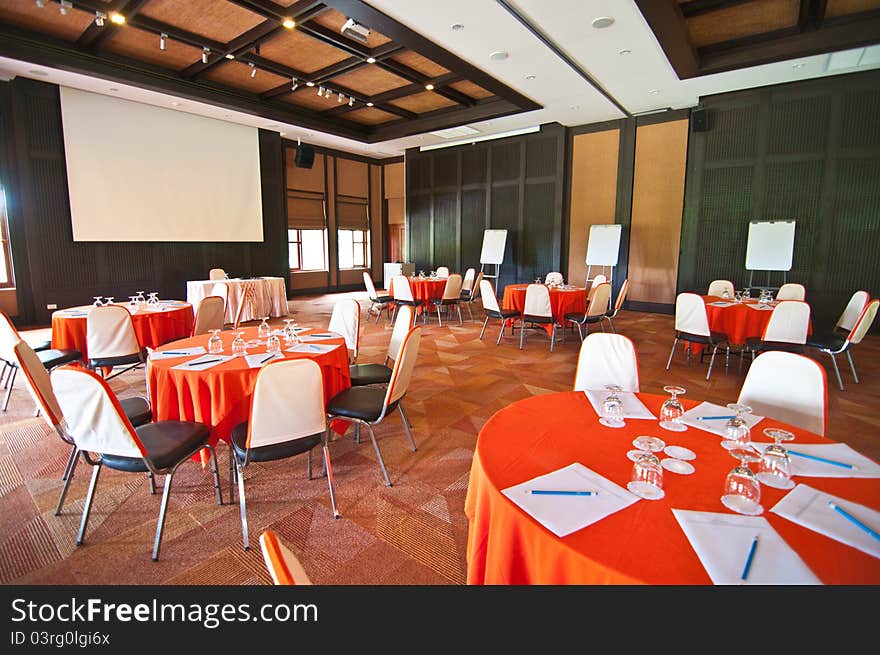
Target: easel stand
{"points": [[609, 275], [495, 276], [768, 286]]}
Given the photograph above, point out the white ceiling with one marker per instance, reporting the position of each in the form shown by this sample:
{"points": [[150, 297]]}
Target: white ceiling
{"points": [[641, 80]]}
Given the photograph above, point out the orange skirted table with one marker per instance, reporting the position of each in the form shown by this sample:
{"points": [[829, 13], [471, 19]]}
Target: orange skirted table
{"points": [[642, 543], [562, 301], [221, 396], [424, 289], [152, 327]]}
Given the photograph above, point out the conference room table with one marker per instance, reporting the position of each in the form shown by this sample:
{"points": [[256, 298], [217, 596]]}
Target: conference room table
{"points": [[268, 297], [643, 542], [153, 325], [424, 289], [563, 300]]}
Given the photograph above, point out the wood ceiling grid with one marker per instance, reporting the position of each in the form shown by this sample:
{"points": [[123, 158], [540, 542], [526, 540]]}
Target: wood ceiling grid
{"points": [[26, 14], [844, 7], [741, 20]]}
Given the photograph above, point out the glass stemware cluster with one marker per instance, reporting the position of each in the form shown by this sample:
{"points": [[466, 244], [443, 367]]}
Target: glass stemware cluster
{"points": [[290, 337]]}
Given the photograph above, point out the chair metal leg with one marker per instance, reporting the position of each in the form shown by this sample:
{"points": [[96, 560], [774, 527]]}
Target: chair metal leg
{"points": [[439, 320], [712, 361], [329, 468], [379, 455], [611, 324], [357, 432], [88, 505], [71, 463], [152, 483], [71, 466], [485, 323], [470, 313], [160, 526], [671, 353], [309, 465], [215, 470], [836, 370], [852, 367], [553, 337], [501, 333], [727, 359], [11, 382], [231, 471], [522, 333], [458, 309], [393, 314], [3, 374], [242, 505], [406, 426], [580, 332]]}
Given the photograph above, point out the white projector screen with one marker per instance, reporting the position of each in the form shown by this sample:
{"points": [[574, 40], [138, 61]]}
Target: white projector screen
{"points": [[142, 173]]}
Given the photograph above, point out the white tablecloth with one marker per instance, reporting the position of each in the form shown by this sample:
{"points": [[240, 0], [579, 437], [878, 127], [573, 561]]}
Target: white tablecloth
{"points": [[270, 293]]}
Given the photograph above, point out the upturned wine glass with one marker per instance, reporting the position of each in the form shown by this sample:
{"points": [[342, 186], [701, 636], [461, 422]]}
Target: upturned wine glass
{"points": [[264, 329], [774, 467], [612, 408], [215, 343], [647, 477], [778, 435], [239, 345], [736, 430], [273, 344], [133, 303], [672, 410], [97, 302], [742, 491]]}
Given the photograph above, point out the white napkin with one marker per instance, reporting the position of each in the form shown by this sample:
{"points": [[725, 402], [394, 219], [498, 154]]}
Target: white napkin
{"points": [[203, 363], [632, 406], [715, 426], [259, 359], [312, 348], [809, 507], [563, 515], [173, 353], [722, 542], [838, 452]]}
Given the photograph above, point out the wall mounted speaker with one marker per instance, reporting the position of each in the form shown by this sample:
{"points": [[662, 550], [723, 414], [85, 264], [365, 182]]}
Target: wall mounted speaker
{"points": [[700, 120], [305, 156]]}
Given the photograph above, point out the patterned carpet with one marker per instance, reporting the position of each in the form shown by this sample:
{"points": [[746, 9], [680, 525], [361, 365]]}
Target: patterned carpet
{"points": [[412, 533]]}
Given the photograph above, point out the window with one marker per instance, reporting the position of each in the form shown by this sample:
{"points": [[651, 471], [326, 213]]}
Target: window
{"points": [[306, 250], [6, 277], [354, 248]]}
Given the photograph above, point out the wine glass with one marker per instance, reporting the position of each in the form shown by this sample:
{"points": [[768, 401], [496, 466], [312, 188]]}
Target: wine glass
{"points": [[153, 298], [671, 411], [778, 435], [647, 478], [289, 334], [215, 343], [433, 274], [132, 303], [97, 302], [273, 344], [747, 294], [264, 329], [649, 444], [742, 491], [239, 345], [725, 294], [738, 296], [422, 274], [108, 300], [612, 408], [774, 467], [736, 430]]}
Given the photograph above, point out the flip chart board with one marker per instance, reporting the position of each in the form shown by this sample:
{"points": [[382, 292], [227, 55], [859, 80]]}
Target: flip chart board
{"points": [[493, 246], [770, 246], [603, 245]]}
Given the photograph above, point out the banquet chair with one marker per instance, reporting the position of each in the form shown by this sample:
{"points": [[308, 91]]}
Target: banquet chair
{"points": [[217, 274], [364, 374], [403, 295], [492, 310], [537, 311], [112, 340], [791, 291], [835, 345], [787, 387], [100, 429], [718, 287], [473, 295], [442, 271], [851, 313], [287, 418], [346, 320], [467, 284], [370, 405], [596, 310], [692, 326], [607, 359], [209, 315], [451, 298], [381, 301], [554, 277], [618, 304], [282, 564], [786, 330], [221, 289], [136, 409]]}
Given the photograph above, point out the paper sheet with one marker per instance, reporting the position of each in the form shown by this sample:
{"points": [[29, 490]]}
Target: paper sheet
{"points": [[312, 348], [259, 359], [722, 304], [762, 308], [632, 406], [320, 336], [715, 426], [808, 507], [173, 353], [203, 363], [838, 452], [722, 542], [563, 515]]}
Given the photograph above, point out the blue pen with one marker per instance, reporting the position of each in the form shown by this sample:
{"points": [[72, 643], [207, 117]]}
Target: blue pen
{"points": [[713, 418], [171, 352], [852, 518], [749, 559], [314, 347], [822, 459], [551, 492]]}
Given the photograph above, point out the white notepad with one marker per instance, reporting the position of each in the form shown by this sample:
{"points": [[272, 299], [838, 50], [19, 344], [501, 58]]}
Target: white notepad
{"points": [[808, 507], [259, 359], [632, 406], [764, 308], [313, 348], [722, 542], [320, 336], [203, 363], [563, 515], [172, 353], [838, 452], [715, 426]]}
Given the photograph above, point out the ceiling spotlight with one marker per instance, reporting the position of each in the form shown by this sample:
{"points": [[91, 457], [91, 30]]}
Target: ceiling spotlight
{"points": [[163, 38], [99, 18], [429, 87], [294, 85], [355, 31], [456, 27], [371, 60], [351, 102], [310, 84], [205, 52], [117, 19], [654, 92], [340, 98], [230, 56], [625, 51], [369, 104], [289, 23], [602, 22], [530, 77], [800, 64], [320, 90], [499, 55], [63, 6], [253, 69]]}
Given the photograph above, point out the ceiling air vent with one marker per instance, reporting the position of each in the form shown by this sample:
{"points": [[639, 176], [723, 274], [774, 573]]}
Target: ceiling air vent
{"points": [[455, 132]]}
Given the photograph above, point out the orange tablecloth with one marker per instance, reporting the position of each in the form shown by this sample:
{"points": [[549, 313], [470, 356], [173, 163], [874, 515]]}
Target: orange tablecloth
{"points": [[153, 328], [424, 289], [562, 301], [642, 543], [221, 396]]}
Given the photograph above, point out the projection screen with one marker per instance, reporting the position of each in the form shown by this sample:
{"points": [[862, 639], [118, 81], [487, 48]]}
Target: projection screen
{"points": [[142, 173]]}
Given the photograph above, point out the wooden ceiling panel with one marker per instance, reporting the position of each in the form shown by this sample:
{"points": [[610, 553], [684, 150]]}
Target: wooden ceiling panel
{"points": [[131, 42], [737, 21], [214, 19], [308, 97], [238, 74], [26, 14], [370, 116], [421, 64], [470, 89], [423, 102], [334, 20], [370, 80], [299, 51], [845, 7]]}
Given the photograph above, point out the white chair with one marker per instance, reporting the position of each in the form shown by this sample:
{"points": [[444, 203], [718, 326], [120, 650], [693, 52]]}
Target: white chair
{"points": [[99, 428], [607, 359], [346, 320], [364, 374], [787, 387], [692, 326], [217, 274], [835, 345], [554, 277], [287, 418], [473, 295], [282, 564], [451, 297], [791, 291], [597, 280], [618, 304], [596, 310], [718, 288], [377, 300], [467, 284], [442, 271], [492, 310], [112, 340], [222, 289], [537, 311], [786, 330], [210, 315], [852, 311], [403, 295]]}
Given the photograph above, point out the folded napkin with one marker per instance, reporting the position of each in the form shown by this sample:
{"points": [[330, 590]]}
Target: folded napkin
{"points": [[632, 406], [837, 452], [173, 353], [715, 426], [203, 363], [312, 348]]}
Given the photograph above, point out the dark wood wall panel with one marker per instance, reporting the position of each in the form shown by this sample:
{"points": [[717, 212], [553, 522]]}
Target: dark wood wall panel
{"points": [[540, 236], [446, 229], [473, 222], [419, 230]]}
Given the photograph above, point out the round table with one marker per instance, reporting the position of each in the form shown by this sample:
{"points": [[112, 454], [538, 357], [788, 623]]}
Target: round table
{"points": [[424, 289], [221, 396], [739, 321], [562, 301], [153, 327], [642, 543]]}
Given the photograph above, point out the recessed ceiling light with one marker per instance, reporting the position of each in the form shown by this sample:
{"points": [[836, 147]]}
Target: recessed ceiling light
{"points": [[117, 18], [371, 60], [429, 87], [800, 64], [230, 56], [36, 72], [369, 104], [530, 77], [499, 55], [310, 84], [625, 51], [602, 22], [456, 27], [289, 23], [654, 92]]}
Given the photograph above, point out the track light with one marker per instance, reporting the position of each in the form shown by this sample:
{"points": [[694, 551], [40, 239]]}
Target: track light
{"points": [[40, 3], [320, 90], [371, 60], [351, 102], [340, 98], [117, 19], [230, 56], [99, 18], [205, 52], [253, 69], [162, 39], [294, 85], [63, 6]]}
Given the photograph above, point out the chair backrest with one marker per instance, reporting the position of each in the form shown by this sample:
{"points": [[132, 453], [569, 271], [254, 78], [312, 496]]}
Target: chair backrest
{"points": [[402, 290], [863, 324], [475, 289], [605, 359], [690, 314], [402, 324], [599, 279], [39, 384], [789, 322], [110, 332], [853, 310], [217, 274], [789, 388], [553, 277], [371, 288], [9, 337], [537, 301], [94, 418], [283, 565], [487, 293], [717, 288], [210, 315], [599, 302], [791, 291], [467, 284], [288, 403], [221, 289], [346, 320], [442, 271], [404, 364], [621, 296], [452, 290]]}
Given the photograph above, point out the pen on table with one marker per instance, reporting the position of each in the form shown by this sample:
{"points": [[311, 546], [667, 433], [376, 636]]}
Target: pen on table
{"points": [[749, 559], [314, 347], [822, 459], [172, 352], [263, 361], [207, 361], [554, 492], [713, 418], [837, 508]]}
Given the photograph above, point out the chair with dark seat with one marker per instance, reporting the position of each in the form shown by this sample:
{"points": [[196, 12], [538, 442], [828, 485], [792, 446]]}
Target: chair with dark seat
{"points": [[492, 310], [403, 295], [537, 311], [282, 564], [287, 418], [370, 405], [100, 428], [471, 296], [834, 345], [606, 359], [365, 374], [786, 330], [596, 310], [378, 300], [112, 340], [346, 320], [209, 315], [467, 284], [618, 304], [692, 326], [451, 297]]}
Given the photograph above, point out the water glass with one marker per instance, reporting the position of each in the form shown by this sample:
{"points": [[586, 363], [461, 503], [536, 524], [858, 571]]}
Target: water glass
{"points": [[736, 431], [154, 298], [647, 478], [215, 343], [97, 302], [273, 344], [612, 409], [264, 329], [742, 492], [108, 300], [239, 346], [133, 303], [774, 468], [672, 410], [738, 296], [422, 274]]}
